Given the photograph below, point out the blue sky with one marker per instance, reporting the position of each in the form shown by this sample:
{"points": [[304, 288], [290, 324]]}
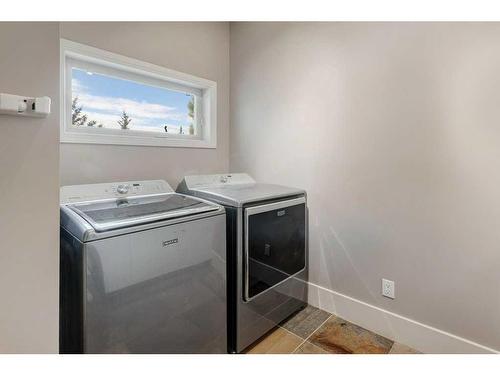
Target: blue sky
{"points": [[151, 108]]}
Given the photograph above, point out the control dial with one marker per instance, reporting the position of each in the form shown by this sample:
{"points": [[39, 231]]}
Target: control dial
{"points": [[122, 189]]}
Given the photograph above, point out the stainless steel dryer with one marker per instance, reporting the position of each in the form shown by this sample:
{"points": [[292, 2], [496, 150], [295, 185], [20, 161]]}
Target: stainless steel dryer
{"points": [[143, 270], [266, 251]]}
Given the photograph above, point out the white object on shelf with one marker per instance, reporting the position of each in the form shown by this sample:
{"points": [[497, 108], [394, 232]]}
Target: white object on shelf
{"points": [[24, 106]]}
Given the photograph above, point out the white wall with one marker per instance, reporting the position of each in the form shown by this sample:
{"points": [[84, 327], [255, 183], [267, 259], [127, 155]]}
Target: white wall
{"points": [[29, 193], [393, 129], [200, 49], [29, 154]]}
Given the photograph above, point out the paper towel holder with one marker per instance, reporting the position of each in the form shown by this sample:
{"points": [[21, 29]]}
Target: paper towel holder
{"points": [[24, 105]]}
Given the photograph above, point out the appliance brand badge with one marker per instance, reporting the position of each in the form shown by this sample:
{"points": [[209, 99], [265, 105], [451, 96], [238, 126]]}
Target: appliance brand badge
{"points": [[281, 213], [170, 242]]}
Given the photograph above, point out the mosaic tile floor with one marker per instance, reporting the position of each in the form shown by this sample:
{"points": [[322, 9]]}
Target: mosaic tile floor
{"points": [[314, 331]]}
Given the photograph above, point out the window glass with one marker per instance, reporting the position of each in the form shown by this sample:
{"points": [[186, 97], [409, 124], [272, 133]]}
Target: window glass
{"points": [[106, 102]]}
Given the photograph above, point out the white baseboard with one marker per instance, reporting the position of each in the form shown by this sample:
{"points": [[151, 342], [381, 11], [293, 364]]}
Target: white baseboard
{"points": [[393, 326]]}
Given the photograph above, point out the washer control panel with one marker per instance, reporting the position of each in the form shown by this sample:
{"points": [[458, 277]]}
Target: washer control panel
{"points": [[122, 189], [85, 193]]}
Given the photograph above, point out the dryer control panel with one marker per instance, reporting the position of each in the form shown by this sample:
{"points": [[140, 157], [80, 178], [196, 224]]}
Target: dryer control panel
{"points": [[93, 192], [211, 180]]}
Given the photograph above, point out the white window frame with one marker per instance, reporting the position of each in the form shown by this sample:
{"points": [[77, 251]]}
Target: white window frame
{"points": [[82, 56]]}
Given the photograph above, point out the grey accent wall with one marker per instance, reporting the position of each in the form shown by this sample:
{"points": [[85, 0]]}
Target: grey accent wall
{"points": [[393, 129], [29, 192], [200, 49]]}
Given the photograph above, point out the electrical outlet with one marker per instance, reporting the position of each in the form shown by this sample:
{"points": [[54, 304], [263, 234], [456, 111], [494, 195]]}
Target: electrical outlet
{"points": [[388, 289]]}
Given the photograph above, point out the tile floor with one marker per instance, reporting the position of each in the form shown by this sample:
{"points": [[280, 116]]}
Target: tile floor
{"points": [[314, 331]]}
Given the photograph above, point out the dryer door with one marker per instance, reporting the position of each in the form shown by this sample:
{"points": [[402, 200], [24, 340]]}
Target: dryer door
{"points": [[275, 244]]}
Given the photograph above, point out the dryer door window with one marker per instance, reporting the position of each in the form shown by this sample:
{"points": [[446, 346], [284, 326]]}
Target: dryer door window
{"points": [[275, 244]]}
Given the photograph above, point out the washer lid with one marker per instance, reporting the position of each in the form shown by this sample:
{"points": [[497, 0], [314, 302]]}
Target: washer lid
{"points": [[125, 212]]}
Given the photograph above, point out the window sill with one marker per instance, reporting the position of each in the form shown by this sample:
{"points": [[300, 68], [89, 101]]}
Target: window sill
{"points": [[71, 137]]}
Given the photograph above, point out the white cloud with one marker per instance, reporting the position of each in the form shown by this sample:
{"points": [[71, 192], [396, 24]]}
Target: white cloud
{"points": [[110, 121], [77, 86], [135, 109], [113, 105], [145, 116]]}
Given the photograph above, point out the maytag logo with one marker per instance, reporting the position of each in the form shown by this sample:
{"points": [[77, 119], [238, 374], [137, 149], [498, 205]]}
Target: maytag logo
{"points": [[170, 242], [281, 213]]}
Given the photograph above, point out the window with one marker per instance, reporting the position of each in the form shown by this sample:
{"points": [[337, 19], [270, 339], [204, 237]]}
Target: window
{"points": [[113, 99]]}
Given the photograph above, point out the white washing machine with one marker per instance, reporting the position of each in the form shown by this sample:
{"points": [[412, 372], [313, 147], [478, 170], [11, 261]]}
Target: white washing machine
{"points": [[142, 270], [267, 250]]}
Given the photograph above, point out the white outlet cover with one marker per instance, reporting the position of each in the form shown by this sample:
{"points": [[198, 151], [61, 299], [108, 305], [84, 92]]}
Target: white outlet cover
{"points": [[388, 288]]}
